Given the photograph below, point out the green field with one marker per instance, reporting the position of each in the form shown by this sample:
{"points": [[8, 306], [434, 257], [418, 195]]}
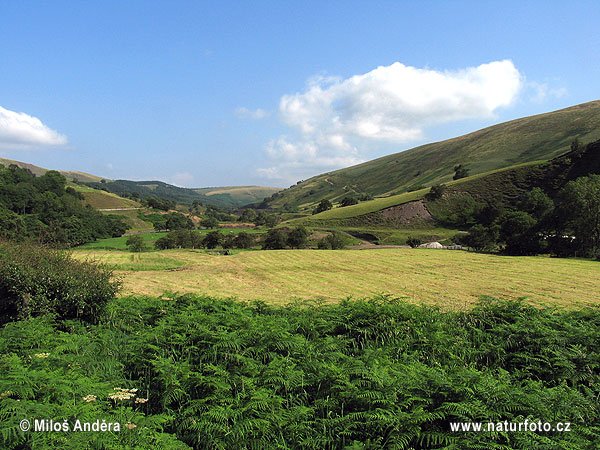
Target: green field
{"points": [[454, 279]]}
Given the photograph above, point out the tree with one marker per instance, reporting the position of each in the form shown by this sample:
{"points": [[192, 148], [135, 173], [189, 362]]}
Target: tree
{"points": [[275, 239], [135, 244], [578, 212], [435, 192], [413, 242], [243, 240], [348, 201], [460, 171], [518, 230], [177, 221], [209, 222], [323, 205], [333, 241], [248, 215], [536, 203], [481, 238], [297, 237], [213, 239]]}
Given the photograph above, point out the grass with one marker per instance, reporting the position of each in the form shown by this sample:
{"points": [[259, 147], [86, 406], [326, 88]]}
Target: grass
{"points": [[127, 261], [452, 279]]}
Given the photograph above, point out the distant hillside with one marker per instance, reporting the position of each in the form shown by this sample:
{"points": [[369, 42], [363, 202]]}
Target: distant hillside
{"points": [[540, 137], [238, 195], [228, 196], [218, 196], [38, 171]]}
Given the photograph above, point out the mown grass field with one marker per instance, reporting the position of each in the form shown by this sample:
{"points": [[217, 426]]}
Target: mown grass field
{"points": [[453, 279]]}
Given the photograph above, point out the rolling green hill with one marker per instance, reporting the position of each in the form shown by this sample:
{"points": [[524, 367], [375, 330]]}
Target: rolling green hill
{"points": [[228, 196], [395, 216], [38, 171], [534, 138], [231, 196]]}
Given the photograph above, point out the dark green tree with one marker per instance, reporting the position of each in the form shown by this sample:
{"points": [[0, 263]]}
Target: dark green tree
{"points": [[323, 205], [135, 244], [297, 237], [460, 171], [348, 201], [275, 239], [578, 213], [213, 239]]}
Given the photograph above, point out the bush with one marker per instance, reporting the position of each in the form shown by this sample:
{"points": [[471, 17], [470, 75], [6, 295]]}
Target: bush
{"points": [[135, 244], [275, 239], [334, 241], [243, 240], [36, 281], [297, 237], [348, 201], [413, 242], [212, 239], [435, 192]]}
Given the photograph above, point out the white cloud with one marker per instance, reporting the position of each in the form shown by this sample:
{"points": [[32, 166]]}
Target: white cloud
{"points": [[245, 113], [541, 91], [22, 131], [334, 117], [181, 179]]}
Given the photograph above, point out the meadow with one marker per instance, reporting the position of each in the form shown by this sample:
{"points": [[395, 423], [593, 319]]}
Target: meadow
{"points": [[450, 279]]}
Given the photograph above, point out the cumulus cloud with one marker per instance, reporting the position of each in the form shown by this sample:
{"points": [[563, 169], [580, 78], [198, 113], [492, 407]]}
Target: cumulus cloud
{"points": [[22, 131], [245, 113], [333, 117]]}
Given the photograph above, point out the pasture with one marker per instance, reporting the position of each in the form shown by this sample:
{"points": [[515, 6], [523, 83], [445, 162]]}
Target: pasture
{"points": [[450, 279]]}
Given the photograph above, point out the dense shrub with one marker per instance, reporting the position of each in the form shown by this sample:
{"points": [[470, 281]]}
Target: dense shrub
{"points": [[413, 242], [135, 244], [364, 374], [36, 281], [333, 241]]}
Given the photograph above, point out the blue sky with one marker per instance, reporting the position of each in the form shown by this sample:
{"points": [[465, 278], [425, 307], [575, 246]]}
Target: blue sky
{"points": [[270, 92]]}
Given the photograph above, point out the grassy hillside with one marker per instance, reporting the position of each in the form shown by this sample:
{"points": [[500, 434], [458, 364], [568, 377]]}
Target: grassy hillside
{"points": [[238, 195], [69, 174], [540, 137], [452, 279], [222, 197]]}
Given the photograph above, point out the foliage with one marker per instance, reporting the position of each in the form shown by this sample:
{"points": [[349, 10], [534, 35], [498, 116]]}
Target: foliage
{"points": [[460, 171], [435, 192], [518, 230], [378, 373], [481, 237], [180, 239], [178, 221], [348, 201], [36, 281], [275, 239], [323, 205], [298, 237], [43, 208], [209, 222], [333, 241], [243, 240], [578, 212], [135, 244], [413, 242], [212, 239]]}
